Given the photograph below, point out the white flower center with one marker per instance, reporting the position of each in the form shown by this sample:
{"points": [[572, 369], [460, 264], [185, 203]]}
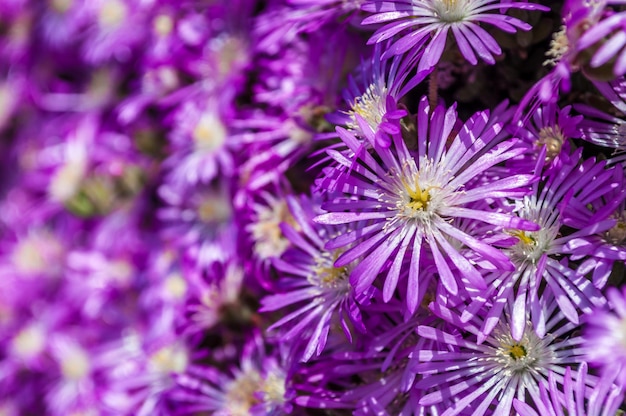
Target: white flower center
{"points": [[66, 181], [274, 388], [214, 208], [209, 133], [75, 364], [269, 240], [121, 272], [29, 342], [230, 53], [529, 354], [175, 286], [419, 194], [112, 13], [451, 10], [240, 393], [61, 6], [170, 359], [38, 253], [533, 244], [163, 25]]}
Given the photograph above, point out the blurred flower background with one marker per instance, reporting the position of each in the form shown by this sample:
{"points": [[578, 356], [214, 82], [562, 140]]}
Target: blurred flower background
{"points": [[312, 207]]}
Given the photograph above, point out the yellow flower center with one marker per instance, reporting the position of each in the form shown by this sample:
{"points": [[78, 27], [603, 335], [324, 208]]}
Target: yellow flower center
{"points": [[553, 139], [524, 238], [418, 198], [516, 351]]}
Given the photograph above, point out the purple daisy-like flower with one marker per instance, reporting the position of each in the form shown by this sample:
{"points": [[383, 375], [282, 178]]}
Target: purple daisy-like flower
{"points": [[214, 292], [543, 255], [548, 126], [429, 22], [606, 333], [412, 200], [201, 144], [310, 281], [196, 219], [142, 367], [257, 386], [563, 54], [573, 398], [373, 93], [116, 26], [486, 377]]}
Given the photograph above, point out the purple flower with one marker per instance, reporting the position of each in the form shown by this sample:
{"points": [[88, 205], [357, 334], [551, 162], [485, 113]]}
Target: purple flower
{"points": [[215, 293], [319, 291], [563, 53], [200, 144], [429, 22], [141, 369], [486, 377], [600, 251], [373, 93], [256, 386], [548, 126], [412, 199], [196, 219], [543, 255]]}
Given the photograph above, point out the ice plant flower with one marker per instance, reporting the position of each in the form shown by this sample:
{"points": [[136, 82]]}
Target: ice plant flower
{"points": [[374, 93], [548, 126], [255, 386], [201, 144], [543, 255], [563, 55], [194, 219], [412, 200], [311, 283], [487, 376], [426, 24]]}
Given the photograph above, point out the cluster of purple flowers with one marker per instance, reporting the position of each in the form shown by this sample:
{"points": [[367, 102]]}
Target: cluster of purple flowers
{"points": [[312, 207]]}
